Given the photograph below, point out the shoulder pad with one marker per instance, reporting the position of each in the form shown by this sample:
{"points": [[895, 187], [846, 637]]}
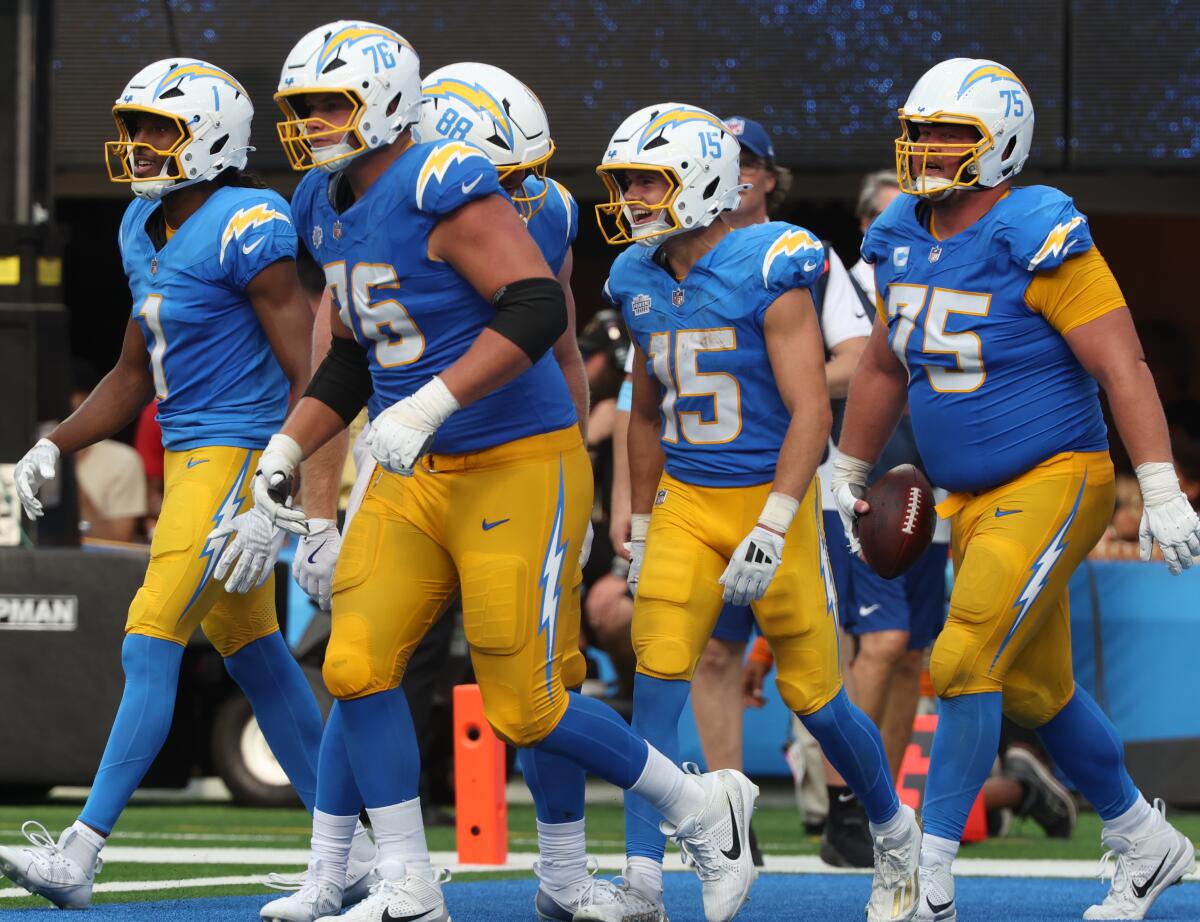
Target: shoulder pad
{"points": [[451, 174], [1041, 227], [792, 257]]}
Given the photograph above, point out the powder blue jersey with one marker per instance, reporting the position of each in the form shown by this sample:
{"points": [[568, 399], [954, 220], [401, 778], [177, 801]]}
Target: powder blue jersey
{"points": [[993, 387], [554, 225], [217, 380], [416, 316], [723, 421]]}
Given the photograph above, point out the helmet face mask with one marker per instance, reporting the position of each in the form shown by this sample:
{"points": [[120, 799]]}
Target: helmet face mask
{"points": [[373, 67], [299, 129], [981, 94], [692, 150], [616, 219], [913, 156], [211, 114], [490, 109]]}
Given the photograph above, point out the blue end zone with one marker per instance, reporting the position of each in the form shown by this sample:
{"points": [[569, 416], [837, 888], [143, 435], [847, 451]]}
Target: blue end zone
{"points": [[831, 898]]}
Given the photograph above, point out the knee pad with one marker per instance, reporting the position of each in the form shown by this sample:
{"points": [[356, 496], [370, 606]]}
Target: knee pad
{"points": [[1031, 704], [349, 671]]}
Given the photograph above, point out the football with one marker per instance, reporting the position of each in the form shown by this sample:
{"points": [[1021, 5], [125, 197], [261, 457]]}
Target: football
{"points": [[900, 524]]}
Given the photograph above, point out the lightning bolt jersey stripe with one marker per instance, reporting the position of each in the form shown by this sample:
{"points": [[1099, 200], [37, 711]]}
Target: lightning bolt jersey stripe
{"points": [[415, 316], [217, 378], [723, 419], [993, 387]]}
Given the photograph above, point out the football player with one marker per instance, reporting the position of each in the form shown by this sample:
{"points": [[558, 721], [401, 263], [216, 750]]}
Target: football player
{"points": [[217, 333], [492, 110], [997, 319], [446, 315], [730, 418]]}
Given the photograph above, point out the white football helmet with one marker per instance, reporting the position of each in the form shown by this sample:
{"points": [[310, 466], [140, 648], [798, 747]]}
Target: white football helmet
{"points": [[493, 110], [376, 69], [210, 108], [692, 149], [965, 91]]}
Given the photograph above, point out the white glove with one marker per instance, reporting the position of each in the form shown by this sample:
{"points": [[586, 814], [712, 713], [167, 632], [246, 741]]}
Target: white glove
{"points": [[849, 486], [403, 432], [316, 556], [585, 552], [252, 552], [273, 484], [1167, 517], [755, 560], [639, 524], [31, 472]]}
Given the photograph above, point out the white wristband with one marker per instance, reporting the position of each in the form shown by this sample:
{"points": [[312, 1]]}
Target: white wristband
{"points": [[287, 448], [849, 469], [639, 524], [778, 512], [1158, 482], [434, 402]]}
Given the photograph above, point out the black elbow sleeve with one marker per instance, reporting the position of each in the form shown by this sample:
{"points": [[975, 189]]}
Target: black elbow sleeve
{"points": [[343, 381], [531, 314]]}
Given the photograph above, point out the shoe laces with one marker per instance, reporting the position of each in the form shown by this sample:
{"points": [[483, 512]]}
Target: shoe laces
{"points": [[579, 892], [890, 865], [46, 852], [1121, 859]]}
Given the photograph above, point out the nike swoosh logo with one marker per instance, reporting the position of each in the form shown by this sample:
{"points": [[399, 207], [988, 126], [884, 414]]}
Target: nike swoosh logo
{"points": [[735, 851], [314, 553], [1144, 888], [859, 315], [867, 610], [1001, 513], [192, 462], [809, 266], [938, 907], [846, 798], [249, 248], [468, 187], [488, 526], [388, 917]]}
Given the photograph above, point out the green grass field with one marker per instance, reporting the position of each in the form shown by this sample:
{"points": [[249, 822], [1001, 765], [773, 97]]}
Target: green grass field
{"points": [[208, 826]]}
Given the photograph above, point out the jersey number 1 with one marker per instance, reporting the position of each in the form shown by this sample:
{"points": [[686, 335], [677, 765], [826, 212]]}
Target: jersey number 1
{"points": [[679, 373]]}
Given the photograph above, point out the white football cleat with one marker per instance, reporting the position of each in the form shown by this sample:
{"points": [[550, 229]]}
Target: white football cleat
{"points": [[717, 841], [611, 901], [397, 895], [895, 889], [936, 903], [48, 869], [358, 874], [313, 898], [1145, 867]]}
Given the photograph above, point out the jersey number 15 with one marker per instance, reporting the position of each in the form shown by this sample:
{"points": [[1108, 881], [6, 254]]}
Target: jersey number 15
{"points": [[677, 369]]}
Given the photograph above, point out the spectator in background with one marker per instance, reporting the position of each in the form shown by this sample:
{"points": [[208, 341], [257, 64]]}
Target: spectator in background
{"points": [[112, 482]]}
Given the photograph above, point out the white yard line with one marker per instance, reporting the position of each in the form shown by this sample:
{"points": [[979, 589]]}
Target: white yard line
{"points": [[285, 858]]}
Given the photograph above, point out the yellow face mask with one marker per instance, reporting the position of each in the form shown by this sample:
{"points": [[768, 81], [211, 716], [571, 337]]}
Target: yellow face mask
{"points": [[297, 132], [613, 216], [120, 154], [912, 156], [528, 205]]}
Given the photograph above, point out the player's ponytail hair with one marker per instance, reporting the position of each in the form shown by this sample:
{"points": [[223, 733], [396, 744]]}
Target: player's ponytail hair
{"points": [[240, 178]]}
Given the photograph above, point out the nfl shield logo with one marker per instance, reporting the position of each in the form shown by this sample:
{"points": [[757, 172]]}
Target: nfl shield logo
{"points": [[318, 235], [337, 230], [677, 297], [935, 254], [641, 305]]}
